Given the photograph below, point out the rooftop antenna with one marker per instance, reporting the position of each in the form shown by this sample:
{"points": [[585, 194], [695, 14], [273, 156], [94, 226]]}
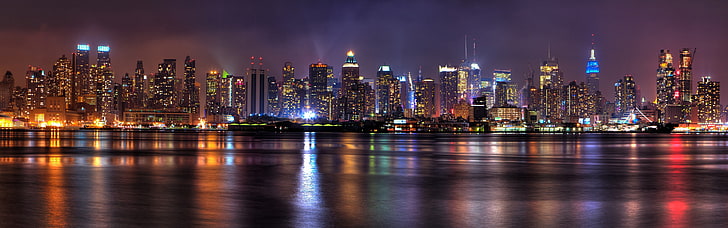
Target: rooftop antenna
{"points": [[466, 47], [548, 50], [474, 41]]}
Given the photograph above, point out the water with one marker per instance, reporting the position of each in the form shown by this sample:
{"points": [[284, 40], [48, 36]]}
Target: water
{"points": [[182, 179]]}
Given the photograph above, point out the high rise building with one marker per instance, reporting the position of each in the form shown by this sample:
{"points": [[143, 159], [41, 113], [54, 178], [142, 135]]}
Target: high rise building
{"points": [[708, 100], [592, 71], [463, 80], [212, 95], [425, 98], [319, 98], [575, 101], [235, 96], [37, 90], [164, 81], [82, 82], [292, 93], [190, 96], [62, 79], [388, 104], [140, 94], [125, 93], [352, 100], [550, 81], [257, 89], [6, 91], [684, 76], [274, 108], [665, 83], [501, 94], [684, 81], [449, 94], [104, 84], [625, 95]]}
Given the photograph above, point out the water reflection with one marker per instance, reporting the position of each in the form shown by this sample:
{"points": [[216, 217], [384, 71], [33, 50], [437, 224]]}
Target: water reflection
{"points": [[98, 178]]}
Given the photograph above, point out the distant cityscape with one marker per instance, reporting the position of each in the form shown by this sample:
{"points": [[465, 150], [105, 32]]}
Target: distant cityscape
{"points": [[76, 93]]}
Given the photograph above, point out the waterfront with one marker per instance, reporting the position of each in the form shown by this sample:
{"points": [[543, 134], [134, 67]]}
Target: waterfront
{"points": [[189, 178]]}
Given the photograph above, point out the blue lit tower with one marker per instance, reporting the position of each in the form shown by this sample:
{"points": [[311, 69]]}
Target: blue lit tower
{"points": [[592, 71]]}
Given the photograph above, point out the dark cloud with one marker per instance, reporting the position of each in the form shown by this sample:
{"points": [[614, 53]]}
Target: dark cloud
{"points": [[404, 34]]}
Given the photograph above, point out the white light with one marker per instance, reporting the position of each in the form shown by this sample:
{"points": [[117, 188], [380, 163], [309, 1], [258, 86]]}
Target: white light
{"points": [[309, 115]]}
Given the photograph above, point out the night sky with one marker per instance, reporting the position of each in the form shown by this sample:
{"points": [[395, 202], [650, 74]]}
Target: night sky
{"points": [[403, 34]]}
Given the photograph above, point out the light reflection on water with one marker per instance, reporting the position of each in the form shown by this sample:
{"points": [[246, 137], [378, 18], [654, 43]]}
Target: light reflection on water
{"points": [[97, 178]]}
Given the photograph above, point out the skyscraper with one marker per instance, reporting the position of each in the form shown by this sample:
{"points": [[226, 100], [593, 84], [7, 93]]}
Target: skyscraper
{"points": [[625, 95], [82, 83], [104, 84], [190, 96], [550, 81], [388, 94], [274, 108], [292, 93], [164, 94], [257, 89], [319, 98], [139, 92], [62, 79], [37, 93], [6, 91], [425, 98], [212, 95], [448, 88], [708, 100], [125, 93], [592, 71], [683, 82], [352, 100], [665, 83]]}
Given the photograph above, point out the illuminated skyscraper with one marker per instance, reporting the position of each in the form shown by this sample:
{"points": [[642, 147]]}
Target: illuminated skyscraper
{"points": [[164, 94], [292, 94], [257, 89], [575, 101], [125, 93], [274, 108], [708, 100], [684, 82], [6, 91], [625, 95], [388, 94], [37, 90], [212, 95], [550, 81], [82, 83], [139, 92], [425, 98], [463, 80], [665, 83], [62, 79], [448, 88], [592, 71], [104, 81], [319, 98], [190, 96], [235, 96], [352, 100]]}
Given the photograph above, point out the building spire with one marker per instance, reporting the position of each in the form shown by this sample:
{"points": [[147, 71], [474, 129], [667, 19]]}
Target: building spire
{"points": [[466, 47], [592, 57]]}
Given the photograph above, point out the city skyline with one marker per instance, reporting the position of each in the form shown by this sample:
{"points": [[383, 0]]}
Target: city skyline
{"points": [[427, 34]]}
